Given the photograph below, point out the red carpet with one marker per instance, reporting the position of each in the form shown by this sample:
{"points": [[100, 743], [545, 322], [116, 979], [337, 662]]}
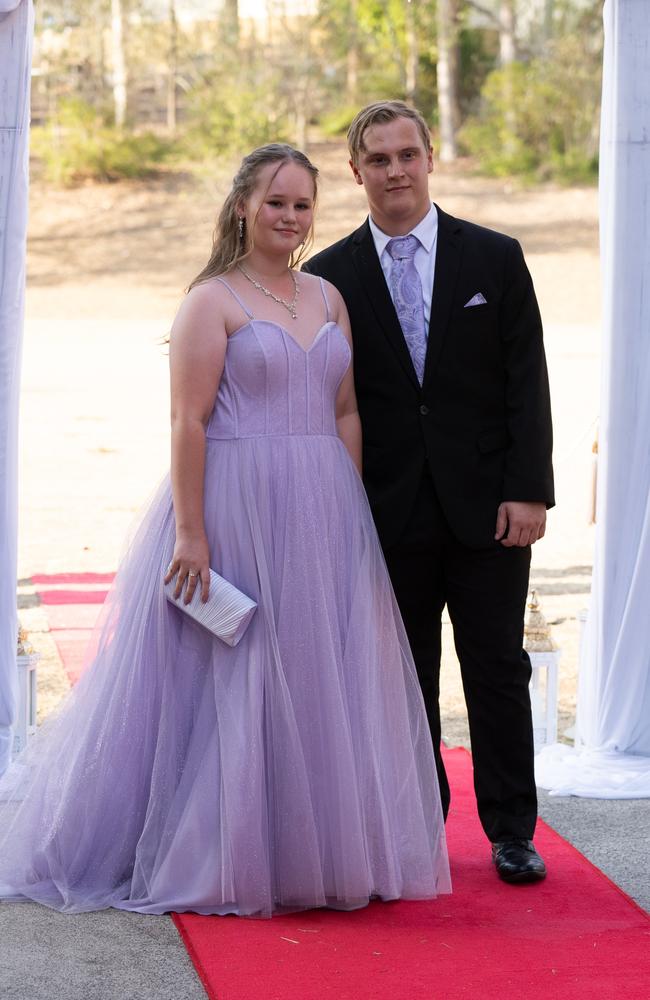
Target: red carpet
{"points": [[73, 602], [575, 936]]}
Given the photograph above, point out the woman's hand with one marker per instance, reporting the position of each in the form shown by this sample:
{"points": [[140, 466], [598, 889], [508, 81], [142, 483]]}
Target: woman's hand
{"points": [[191, 563]]}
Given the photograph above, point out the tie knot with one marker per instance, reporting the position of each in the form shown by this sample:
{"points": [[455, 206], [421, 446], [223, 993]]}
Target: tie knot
{"points": [[403, 247]]}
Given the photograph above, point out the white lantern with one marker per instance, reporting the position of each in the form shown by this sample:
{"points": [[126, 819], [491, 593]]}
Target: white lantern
{"points": [[27, 661], [544, 660]]}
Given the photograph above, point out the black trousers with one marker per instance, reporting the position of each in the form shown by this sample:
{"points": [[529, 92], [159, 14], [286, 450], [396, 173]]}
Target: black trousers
{"points": [[485, 592]]}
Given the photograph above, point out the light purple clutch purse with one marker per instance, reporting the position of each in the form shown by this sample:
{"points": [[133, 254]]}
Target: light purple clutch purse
{"points": [[226, 613]]}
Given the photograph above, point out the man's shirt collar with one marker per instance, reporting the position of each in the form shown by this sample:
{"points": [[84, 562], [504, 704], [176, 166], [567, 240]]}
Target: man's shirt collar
{"points": [[425, 231]]}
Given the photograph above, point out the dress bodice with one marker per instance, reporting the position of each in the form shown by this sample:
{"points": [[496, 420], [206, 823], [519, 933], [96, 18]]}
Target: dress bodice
{"points": [[271, 385]]}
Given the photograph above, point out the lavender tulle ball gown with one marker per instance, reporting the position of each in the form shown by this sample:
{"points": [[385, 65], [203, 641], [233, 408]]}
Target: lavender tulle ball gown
{"points": [[293, 771]]}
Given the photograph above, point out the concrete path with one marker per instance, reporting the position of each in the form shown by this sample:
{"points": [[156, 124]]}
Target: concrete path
{"points": [[109, 955]]}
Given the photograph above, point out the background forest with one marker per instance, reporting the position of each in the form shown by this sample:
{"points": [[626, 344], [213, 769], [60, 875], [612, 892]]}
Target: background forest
{"points": [[122, 88]]}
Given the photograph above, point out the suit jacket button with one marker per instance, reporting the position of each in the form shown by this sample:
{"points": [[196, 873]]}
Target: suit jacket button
{"points": [[424, 410]]}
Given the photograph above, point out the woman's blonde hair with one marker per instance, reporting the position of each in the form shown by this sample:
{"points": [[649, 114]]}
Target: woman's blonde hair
{"points": [[380, 113], [228, 246]]}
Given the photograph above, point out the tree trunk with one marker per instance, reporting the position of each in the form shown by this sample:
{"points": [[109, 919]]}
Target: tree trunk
{"points": [[302, 85], [411, 53], [352, 61], [507, 37], [548, 19], [447, 84], [172, 65], [119, 62], [507, 55], [99, 13], [230, 21]]}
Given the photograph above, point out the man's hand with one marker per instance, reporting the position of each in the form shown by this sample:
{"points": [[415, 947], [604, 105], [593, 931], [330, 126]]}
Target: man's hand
{"points": [[520, 524]]}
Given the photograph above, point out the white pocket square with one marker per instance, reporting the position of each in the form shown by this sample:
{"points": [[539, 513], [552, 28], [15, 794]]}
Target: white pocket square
{"points": [[476, 300]]}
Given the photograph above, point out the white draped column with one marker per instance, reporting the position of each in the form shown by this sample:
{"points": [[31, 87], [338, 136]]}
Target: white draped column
{"points": [[612, 759], [16, 28]]}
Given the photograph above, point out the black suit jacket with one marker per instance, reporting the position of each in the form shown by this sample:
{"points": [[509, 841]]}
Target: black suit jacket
{"points": [[481, 420]]}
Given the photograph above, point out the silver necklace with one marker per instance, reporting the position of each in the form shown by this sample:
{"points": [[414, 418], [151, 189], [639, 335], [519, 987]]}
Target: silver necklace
{"points": [[290, 306]]}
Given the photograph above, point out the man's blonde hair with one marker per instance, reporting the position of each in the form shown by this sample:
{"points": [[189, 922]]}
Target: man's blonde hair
{"points": [[380, 113]]}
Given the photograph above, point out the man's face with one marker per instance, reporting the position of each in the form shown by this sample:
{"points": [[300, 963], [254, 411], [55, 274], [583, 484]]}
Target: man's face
{"points": [[394, 168]]}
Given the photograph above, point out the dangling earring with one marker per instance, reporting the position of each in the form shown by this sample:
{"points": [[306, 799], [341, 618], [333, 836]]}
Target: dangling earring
{"points": [[241, 229]]}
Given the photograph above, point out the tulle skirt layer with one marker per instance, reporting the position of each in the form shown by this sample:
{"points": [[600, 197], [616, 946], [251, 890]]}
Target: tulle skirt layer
{"points": [[293, 771]]}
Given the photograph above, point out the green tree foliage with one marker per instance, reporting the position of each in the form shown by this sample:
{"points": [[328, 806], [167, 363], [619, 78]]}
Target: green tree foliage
{"points": [[224, 116], [539, 118], [233, 83], [372, 35], [477, 57], [82, 144], [257, 91]]}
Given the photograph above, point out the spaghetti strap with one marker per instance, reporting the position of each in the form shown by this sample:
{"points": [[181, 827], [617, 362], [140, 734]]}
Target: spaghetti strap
{"points": [[236, 297], [325, 299]]}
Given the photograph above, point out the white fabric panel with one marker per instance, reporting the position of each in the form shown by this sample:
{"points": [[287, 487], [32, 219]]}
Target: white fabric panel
{"points": [[16, 27], [592, 774], [613, 721]]}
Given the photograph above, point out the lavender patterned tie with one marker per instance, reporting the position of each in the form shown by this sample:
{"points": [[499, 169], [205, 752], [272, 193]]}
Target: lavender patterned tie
{"points": [[406, 292]]}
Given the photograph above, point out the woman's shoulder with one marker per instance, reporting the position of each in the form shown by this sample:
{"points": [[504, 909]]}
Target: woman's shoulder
{"points": [[210, 290], [331, 291], [205, 306], [214, 294]]}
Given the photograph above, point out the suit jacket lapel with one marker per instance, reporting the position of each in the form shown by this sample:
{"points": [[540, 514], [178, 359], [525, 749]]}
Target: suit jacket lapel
{"points": [[374, 285], [449, 251]]}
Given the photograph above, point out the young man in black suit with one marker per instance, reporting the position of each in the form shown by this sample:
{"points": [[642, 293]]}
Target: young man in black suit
{"points": [[453, 394]]}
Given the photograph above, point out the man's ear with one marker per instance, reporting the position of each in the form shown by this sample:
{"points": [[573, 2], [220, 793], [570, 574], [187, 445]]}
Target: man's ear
{"points": [[355, 171], [430, 161]]}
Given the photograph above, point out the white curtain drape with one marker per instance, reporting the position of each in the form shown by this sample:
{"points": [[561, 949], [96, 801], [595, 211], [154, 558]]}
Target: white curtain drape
{"points": [[613, 755], [16, 29]]}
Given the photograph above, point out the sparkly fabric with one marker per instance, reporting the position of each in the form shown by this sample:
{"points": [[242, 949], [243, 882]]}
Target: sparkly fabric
{"points": [[406, 293], [293, 771]]}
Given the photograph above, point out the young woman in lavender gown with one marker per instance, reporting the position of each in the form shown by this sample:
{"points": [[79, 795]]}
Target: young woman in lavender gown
{"points": [[296, 769]]}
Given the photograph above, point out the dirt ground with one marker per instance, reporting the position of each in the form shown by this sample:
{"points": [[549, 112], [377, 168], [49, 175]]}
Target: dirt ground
{"points": [[107, 265]]}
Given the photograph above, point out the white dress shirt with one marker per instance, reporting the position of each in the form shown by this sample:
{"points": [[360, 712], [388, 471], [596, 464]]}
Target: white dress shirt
{"points": [[426, 232]]}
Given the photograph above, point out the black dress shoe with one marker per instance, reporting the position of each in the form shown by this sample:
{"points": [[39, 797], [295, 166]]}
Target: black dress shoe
{"points": [[516, 860]]}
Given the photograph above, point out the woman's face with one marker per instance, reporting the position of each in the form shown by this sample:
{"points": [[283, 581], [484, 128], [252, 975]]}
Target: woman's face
{"points": [[280, 211]]}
